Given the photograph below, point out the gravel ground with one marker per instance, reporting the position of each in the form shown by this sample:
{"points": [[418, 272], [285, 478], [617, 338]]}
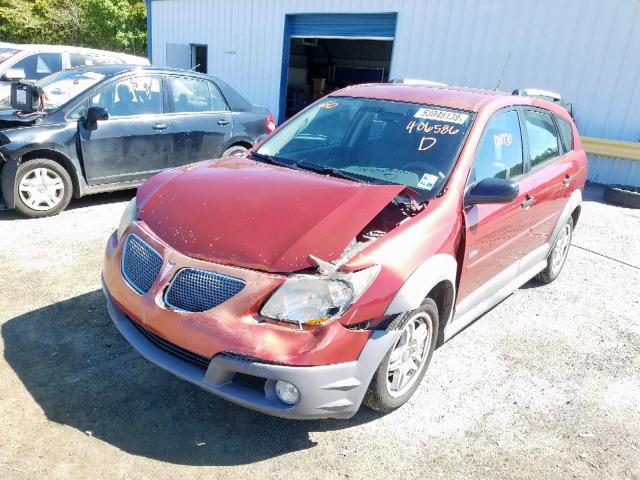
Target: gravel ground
{"points": [[546, 385]]}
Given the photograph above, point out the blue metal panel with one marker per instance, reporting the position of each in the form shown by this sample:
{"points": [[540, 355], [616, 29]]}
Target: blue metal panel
{"points": [[379, 25], [149, 26]]}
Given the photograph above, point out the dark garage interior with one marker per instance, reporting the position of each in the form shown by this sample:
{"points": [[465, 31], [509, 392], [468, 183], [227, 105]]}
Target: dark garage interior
{"points": [[318, 66]]}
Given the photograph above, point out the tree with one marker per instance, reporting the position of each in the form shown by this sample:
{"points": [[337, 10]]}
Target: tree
{"points": [[118, 25]]}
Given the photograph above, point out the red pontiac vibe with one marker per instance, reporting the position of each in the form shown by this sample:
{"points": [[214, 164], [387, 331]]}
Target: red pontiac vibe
{"points": [[322, 271]]}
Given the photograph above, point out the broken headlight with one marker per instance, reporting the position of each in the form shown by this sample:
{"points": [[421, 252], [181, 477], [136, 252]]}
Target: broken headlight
{"points": [[318, 299], [129, 215]]}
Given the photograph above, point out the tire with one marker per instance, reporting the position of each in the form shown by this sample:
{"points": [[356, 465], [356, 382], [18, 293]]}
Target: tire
{"points": [[381, 396], [622, 195], [43, 188], [236, 151], [558, 254]]}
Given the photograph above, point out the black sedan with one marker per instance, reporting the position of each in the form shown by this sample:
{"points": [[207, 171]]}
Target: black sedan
{"points": [[104, 128]]}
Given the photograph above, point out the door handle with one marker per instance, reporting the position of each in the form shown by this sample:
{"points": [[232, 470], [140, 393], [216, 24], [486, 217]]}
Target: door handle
{"points": [[160, 126], [224, 121], [528, 202], [567, 180]]}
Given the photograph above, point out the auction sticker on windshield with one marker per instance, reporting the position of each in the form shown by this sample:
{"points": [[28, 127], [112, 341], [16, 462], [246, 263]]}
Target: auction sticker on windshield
{"points": [[441, 115]]}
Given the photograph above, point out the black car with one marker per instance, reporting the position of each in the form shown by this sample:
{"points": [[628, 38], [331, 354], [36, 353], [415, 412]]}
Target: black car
{"points": [[105, 128]]}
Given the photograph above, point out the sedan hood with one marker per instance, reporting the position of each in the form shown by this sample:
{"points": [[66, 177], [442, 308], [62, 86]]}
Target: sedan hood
{"points": [[239, 212]]}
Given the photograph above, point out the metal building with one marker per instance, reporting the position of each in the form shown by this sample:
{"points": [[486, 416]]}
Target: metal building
{"points": [[284, 53]]}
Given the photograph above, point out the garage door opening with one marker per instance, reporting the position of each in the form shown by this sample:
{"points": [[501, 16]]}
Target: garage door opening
{"points": [[318, 66]]}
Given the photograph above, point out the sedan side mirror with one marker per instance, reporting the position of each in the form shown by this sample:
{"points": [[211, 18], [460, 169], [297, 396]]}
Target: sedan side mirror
{"points": [[14, 74], [492, 190], [95, 115]]}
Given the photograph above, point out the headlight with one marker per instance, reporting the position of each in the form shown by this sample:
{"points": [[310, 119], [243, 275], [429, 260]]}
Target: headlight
{"points": [[129, 215], [317, 299]]}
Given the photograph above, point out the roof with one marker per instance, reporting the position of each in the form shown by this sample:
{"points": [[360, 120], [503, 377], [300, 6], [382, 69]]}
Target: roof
{"points": [[32, 47], [470, 99], [118, 68]]}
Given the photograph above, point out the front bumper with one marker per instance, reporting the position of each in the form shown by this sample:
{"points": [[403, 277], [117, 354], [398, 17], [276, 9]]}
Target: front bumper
{"points": [[326, 391]]}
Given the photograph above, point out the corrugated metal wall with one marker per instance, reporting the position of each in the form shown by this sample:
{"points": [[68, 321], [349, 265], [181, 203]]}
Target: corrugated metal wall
{"points": [[589, 50]]}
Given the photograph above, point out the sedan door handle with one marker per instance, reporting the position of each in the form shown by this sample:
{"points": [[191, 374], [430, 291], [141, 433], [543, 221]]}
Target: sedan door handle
{"points": [[224, 121], [528, 202], [160, 126], [567, 180]]}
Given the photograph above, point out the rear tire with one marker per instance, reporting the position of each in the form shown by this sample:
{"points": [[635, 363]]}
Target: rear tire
{"points": [[397, 377], [558, 254], [236, 151], [43, 188]]}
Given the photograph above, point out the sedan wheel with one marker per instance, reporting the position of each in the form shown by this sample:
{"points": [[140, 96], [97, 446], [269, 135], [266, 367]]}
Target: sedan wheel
{"points": [[41, 189]]}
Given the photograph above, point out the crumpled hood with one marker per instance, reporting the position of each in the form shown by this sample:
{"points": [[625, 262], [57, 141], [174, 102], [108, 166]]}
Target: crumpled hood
{"points": [[239, 212]]}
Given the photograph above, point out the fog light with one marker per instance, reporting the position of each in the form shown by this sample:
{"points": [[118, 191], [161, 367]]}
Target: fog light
{"points": [[287, 392]]}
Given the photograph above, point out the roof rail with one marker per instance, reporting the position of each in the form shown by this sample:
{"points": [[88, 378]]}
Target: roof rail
{"points": [[539, 93], [417, 81]]}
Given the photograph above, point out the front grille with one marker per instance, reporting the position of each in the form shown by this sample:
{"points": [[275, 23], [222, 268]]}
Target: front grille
{"points": [[193, 290], [140, 264], [175, 350]]}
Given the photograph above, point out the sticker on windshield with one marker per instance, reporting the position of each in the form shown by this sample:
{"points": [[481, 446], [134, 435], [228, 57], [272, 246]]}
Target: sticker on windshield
{"points": [[329, 105], [441, 115], [427, 182]]}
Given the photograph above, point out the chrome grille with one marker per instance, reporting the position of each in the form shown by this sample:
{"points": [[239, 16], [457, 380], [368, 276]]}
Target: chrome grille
{"points": [[140, 264], [193, 290]]}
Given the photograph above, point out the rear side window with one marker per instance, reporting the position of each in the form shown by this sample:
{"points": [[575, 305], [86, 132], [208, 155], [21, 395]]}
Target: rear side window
{"points": [[566, 133], [542, 137], [217, 102], [39, 65], [500, 150], [79, 60], [190, 95]]}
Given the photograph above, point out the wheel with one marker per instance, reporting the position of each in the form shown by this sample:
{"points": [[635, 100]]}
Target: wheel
{"points": [[558, 254], [236, 151], [622, 195], [43, 188], [402, 369]]}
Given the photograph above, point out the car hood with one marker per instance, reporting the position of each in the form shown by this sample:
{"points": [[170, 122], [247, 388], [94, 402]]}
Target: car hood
{"points": [[239, 212], [10, 119]]}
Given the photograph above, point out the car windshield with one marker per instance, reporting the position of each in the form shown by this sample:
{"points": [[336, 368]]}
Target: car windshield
{"points": [[373, 141], [6, 53], [65, 85]]}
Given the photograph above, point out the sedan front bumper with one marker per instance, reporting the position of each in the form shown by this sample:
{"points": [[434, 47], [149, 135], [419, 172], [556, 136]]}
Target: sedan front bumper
{"points": [[326, 391]]}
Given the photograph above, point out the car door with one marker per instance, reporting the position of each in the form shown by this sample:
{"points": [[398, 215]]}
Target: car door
{"points": [[201, 119], [135, 142], [551, 173], [496, 235]]}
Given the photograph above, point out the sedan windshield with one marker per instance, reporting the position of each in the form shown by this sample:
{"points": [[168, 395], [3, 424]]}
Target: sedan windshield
{"points": [[374, 141], [65, 85]]}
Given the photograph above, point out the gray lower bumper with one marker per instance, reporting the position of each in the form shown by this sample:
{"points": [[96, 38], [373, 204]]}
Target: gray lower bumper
{"points": [[328, 391]]}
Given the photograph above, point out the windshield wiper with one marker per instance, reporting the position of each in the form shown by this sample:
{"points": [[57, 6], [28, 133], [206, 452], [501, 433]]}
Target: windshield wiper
{"points": [[336, 172], [272, 160]]}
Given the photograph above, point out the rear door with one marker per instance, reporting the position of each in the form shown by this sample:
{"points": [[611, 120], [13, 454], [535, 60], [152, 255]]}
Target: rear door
{"points": [[497, 235], [551, 168], [136, 141], [201, 119]]}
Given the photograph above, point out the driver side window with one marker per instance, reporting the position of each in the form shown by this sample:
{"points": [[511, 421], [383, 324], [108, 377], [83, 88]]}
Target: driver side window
{"points": [[499, 153]]}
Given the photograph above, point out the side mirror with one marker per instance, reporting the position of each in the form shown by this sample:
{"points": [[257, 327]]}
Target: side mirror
{"points": [[95, 115], [14, 74], [491, 190]]}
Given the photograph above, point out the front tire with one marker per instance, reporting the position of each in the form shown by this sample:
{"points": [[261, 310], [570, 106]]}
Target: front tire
{"points": [[558, 254], [404, 366], [43, 188]]}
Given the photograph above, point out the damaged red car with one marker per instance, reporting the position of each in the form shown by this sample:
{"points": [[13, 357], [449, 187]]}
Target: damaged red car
{"points": [[322, 271]]}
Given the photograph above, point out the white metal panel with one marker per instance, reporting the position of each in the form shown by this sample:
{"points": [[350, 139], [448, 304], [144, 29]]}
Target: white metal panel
{"points": [[614, 171], [585, 49]]}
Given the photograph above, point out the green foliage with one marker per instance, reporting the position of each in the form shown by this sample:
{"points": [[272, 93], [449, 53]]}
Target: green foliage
{"points": [[118, 25]]}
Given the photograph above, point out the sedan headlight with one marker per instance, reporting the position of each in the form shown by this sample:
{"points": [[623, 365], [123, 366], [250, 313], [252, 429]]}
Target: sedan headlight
{"points": [[317, 299], [129, 215]]}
